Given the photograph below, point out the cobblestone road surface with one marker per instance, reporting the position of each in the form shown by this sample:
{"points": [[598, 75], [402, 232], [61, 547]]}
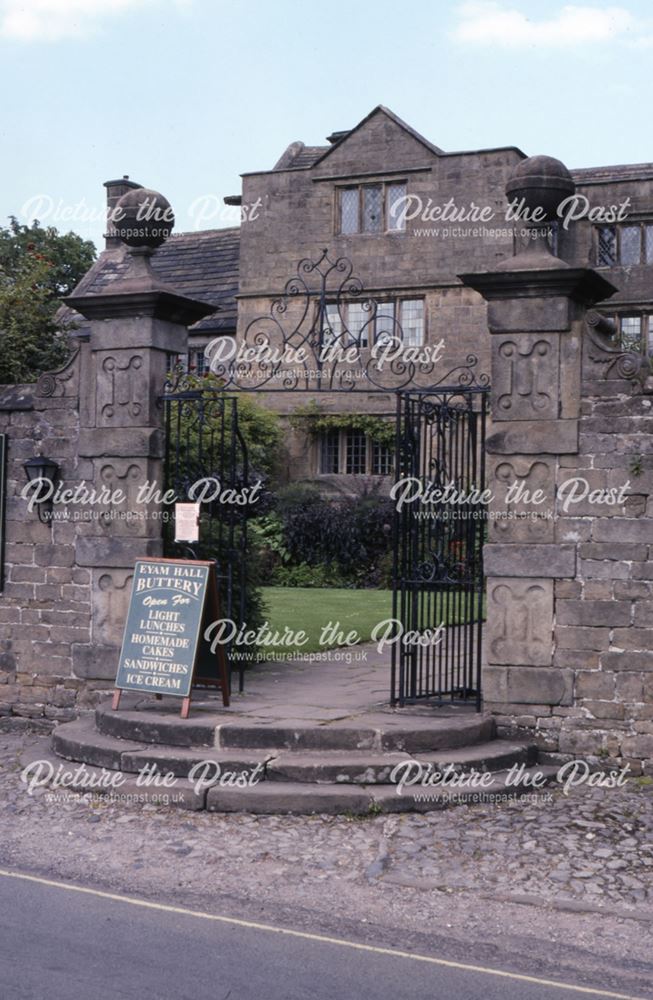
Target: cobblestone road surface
{"points": [[512, 885]]}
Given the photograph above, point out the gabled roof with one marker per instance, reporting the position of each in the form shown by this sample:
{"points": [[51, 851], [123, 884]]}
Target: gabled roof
{"points": [[202, 265], [380, 109], [298, 156]]}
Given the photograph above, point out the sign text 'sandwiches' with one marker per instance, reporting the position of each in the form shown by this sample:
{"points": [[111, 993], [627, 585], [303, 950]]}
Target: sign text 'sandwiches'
{"points": [[163, 627]]}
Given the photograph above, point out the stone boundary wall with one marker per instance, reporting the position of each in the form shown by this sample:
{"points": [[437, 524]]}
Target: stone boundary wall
{"points": [[100, 418], [603, 611], [45, 605]]}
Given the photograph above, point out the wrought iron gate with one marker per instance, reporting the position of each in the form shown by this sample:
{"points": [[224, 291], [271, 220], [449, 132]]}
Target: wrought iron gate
{"points": [[204, 446], [438, 545], [308, 343]]}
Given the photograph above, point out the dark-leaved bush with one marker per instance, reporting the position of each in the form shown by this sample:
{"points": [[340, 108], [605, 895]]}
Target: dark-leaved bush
{"points": [[351, 535]]}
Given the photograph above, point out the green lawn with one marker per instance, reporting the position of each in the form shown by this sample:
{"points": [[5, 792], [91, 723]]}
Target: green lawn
{"points": [[312, 608]]}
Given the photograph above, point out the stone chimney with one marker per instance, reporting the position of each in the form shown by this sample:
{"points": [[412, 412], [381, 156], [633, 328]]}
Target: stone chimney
{"points": [[115, 191]]}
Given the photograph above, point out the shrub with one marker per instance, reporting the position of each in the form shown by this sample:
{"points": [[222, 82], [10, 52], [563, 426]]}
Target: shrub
{"points": [[304, 575], [347, 540], [203, 439]]}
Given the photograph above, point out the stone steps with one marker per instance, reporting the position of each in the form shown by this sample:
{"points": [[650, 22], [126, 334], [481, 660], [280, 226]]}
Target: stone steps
{"points": [[155, 727], [300, 770], [271, 798], [276, 797], [382, 732], [80, 741], [359, 767]]}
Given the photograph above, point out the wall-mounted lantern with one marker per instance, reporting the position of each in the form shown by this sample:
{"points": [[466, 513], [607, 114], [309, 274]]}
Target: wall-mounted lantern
{"points": [[42, 468]]}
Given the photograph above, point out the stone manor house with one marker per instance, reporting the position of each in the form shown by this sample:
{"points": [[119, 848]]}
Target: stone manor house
{"points": [[339, 196], [562, 323]]}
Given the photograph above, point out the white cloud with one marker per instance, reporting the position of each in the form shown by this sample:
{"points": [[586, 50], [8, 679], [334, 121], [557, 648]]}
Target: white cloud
{"points": [[53, 20], [487, 23]]}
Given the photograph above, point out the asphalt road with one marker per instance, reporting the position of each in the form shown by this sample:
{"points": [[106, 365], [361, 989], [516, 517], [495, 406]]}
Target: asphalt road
{"points": [[61, 944]]}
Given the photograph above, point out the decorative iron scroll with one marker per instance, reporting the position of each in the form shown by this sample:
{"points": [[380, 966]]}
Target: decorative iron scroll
{"points": [[307, 342], [619, 364]]}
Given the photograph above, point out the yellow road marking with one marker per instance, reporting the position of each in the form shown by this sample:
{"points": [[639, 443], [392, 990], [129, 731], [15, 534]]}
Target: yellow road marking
{"points": [[307, 936]]}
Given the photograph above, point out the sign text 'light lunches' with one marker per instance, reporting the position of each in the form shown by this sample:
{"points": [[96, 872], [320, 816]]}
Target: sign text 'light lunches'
{"points": [[163, 650]]}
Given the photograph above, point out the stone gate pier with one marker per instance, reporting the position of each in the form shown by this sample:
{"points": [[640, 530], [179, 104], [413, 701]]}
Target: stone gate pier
{"points": [[99, 419], [569, 636]]}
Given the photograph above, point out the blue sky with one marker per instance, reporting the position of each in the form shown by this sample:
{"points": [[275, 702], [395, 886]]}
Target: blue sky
{"points": [[184, 95]]}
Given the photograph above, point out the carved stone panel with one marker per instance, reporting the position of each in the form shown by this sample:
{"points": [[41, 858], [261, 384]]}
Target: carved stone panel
{"points": [[520, 621], [122, 479], [517, 484], [111, 589], [525, 377], [122, 390], [120, 484]]}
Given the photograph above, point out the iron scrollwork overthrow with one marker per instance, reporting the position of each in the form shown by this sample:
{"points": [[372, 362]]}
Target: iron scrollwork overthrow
{"points": [[313, 340]]}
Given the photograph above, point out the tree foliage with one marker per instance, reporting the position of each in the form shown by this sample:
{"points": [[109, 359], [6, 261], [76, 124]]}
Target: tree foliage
{"points": [[261, 429], [67, 255], [38, 267], [201, 439]]}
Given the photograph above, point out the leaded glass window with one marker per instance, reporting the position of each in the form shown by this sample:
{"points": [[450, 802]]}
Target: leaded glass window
{"points": [[385, 322], [352, 452], [395, 206], [372, 208], [630, 250], [330, 453], [631, 333], [381, 459], [197, 362], [412, 321], [629, 245], [349, 211], [607, 246], [648, 241], [355, 453], [332, 327], [357, 319]]}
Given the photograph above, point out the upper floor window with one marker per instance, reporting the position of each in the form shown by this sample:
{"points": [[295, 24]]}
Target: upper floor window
{"points": [[396, 318], [347, 324], [624, 245], [372, 208]]}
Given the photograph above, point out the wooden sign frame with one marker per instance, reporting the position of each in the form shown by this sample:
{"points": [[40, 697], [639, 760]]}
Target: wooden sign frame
{"points": [[210, 606]]}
